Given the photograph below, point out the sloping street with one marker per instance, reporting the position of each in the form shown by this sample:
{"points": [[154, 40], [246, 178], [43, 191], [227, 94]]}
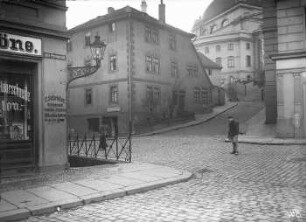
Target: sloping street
{"points": [[264, 183]]}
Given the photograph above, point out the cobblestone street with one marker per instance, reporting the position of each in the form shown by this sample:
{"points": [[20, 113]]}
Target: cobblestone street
{"points": [[263, 183]]}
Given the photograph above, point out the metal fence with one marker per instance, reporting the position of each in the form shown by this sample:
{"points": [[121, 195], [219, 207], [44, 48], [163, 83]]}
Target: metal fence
{"points": [[115, 148]]}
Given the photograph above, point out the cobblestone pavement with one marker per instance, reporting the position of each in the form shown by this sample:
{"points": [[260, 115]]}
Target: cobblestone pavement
{"points": [[263, 183]]}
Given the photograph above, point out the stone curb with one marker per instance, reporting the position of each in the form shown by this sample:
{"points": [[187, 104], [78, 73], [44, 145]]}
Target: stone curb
{"points": [[24, 213], [181, 126], [270, 141]]}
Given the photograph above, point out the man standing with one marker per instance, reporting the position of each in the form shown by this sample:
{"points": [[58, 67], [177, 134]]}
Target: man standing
{"points": [[233, 133]]}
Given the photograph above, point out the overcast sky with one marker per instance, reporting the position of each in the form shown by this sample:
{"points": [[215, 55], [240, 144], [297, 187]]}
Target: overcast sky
{"points": [[179, 13]]}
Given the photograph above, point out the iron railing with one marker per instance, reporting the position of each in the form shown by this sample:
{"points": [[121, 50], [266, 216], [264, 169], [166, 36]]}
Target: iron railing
{"points": [[113, 148]]}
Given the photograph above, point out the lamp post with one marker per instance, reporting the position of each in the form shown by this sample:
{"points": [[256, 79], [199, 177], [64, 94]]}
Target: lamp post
{"points": [[97, 52]]}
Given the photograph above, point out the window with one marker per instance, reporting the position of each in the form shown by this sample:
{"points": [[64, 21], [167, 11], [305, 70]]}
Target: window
{"points": [[196, 95], [87, 39], [174, 69], [219, 61], [157, 95], [218, 48], [203, 31], [153, 96], [248, 45], [152, 64], [213, 28], [209, 72], [204, 96], [114, 94], [113, 63], [248, 61], [224, 23], [88, 96], [93, 124], [112, 27], [151, 35], [69, 45], [207, 49], [192, 70], [148, 64], [231, 62], [231, 46], [172, 42]]}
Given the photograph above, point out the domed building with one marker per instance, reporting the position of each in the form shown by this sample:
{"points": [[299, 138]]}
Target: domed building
{"points": [[229, 33]]}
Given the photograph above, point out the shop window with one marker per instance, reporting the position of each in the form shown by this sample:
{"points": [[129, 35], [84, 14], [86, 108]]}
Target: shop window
{"points": [[114, 95], [172, 42], [93, 124], [16, 97], [113, 63], [88, 96], [87, 39]]}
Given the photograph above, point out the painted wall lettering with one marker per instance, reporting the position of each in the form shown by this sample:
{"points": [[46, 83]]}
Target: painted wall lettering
{"points": [[20, 44]]}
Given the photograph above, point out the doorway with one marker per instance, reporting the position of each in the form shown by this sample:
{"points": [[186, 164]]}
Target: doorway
{"points": [[110, 123]]}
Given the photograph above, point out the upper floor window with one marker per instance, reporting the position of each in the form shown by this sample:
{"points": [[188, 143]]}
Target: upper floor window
{"points": [[230, 46], [224, 23], [192, 70], [248, 45], [203, 31], [219, 61], [174, 69], [196, 95], [112, 27], [87, 39], [248, 61], [231, 62], [88, 96], [113, 66], [218, 48], [152, 64], [114, 94], [172, 41], [206, 49], [213, 28], [69, 45], [151, 35]]}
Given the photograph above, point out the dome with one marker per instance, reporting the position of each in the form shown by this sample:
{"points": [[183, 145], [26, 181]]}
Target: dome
{"points": [[219, 6]]}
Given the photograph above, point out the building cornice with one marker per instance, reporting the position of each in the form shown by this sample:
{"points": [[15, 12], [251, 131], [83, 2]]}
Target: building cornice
{"points": [[288, 55], [35, 30]]}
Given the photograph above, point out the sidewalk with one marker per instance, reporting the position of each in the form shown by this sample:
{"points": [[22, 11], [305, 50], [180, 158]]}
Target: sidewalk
{"points": [[200, 118], [97, 184]]}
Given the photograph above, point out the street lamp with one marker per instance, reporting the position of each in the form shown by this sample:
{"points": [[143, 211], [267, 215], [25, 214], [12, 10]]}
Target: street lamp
{"points": [[97, 51]]}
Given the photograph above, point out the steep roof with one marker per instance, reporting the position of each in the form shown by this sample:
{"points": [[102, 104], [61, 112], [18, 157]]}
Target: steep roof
{"points": [[207, 63], [219, 6], [124, 13]]}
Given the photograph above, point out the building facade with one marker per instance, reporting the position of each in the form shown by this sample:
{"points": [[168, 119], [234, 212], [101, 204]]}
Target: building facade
{"points": [[285, 48], [32, 85], [229, 33], [150, 71]]}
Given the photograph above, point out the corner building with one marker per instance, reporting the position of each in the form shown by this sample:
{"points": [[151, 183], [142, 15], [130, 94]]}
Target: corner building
{"points": [[285, 66], [32, 86], [229, 33], [150, 71]]}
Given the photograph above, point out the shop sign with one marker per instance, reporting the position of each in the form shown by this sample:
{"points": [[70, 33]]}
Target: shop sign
{"points": [[20, 44], [113, 109], [50, 55], [55, 111]]}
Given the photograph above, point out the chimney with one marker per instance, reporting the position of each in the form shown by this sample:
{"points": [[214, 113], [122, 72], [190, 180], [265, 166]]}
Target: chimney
{"points": [[110, 10], [144, 6], [162, 12]]}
